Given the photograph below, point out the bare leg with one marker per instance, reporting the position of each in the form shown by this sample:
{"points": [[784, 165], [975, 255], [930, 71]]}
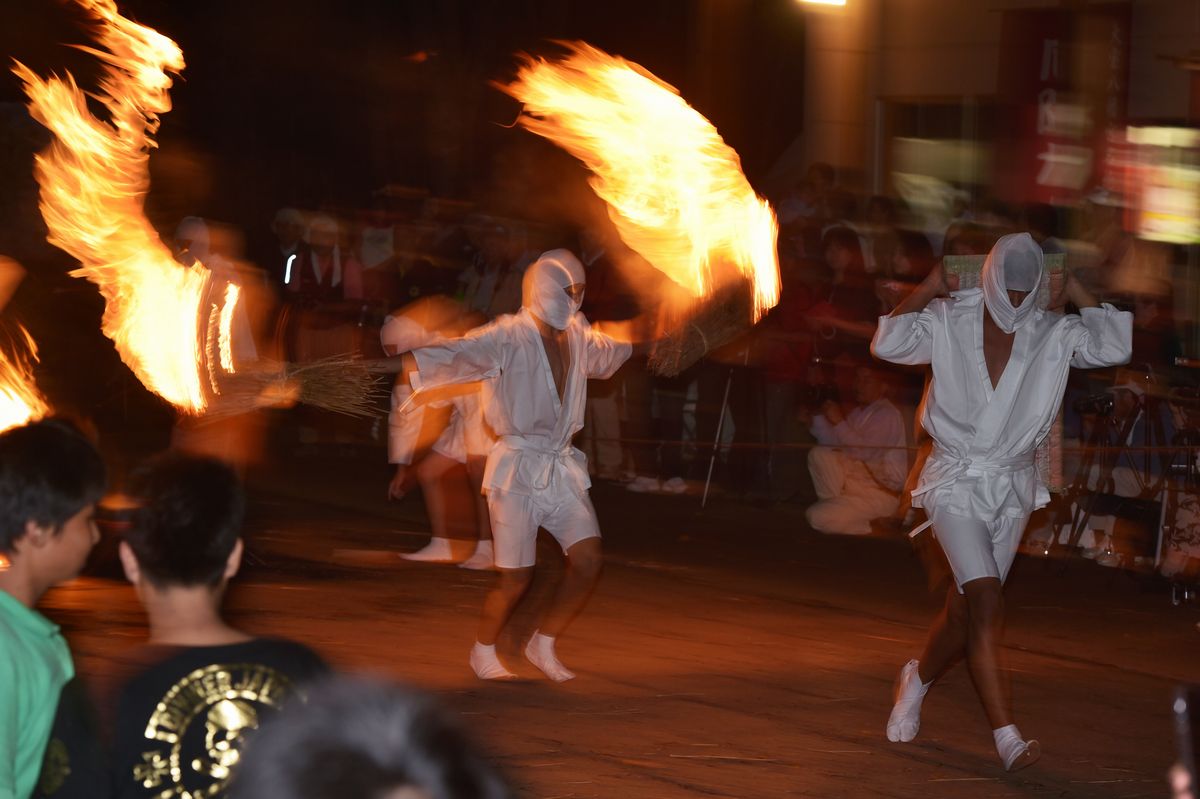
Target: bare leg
{"points": [[510, 586], [483, 521], [985, 601], [584, 560], [430, 474], [947, 637]]}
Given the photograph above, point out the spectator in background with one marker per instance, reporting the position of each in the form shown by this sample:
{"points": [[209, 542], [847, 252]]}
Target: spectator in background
{"points": [[479, 281], [881, 235], [50, 478], [844, 315], [1041, 220], [288, 227], [200, 684], [326, 291], [326, 276], [788, 354], [860, 465], [364, 739], [610, 298], [1156, 342]]}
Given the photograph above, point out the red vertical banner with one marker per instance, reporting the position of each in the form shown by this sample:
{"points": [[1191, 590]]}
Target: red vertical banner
{"points": [[1062, 85]]}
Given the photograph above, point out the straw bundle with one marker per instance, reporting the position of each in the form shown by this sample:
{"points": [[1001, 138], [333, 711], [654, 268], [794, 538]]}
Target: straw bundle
{"points": [[701, 328]]}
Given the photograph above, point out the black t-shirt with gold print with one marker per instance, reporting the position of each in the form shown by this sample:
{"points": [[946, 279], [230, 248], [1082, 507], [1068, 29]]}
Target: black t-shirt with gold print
{"points": [[182, 719]]}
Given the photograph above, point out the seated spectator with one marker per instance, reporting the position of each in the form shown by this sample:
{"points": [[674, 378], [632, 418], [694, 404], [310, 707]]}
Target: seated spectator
{"points": [[1133, 435], [361, 739], [200, 685], [50, 478], [860, 465]]}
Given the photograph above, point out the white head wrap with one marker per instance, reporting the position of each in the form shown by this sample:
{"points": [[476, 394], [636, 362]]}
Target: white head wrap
{"points": [[1014, 264], [544, 284], [194, 230]]}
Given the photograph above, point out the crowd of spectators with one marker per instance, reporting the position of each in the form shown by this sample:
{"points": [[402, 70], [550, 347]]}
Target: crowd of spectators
{"points": [[202, 708], [746, 418]]}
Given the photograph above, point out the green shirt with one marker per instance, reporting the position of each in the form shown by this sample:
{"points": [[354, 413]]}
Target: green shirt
{"points": [[35, 663]]}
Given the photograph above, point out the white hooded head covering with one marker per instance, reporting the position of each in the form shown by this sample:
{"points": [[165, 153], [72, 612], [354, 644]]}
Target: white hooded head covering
{"points": [[194, 231], [544, 284], [1014, 264]]}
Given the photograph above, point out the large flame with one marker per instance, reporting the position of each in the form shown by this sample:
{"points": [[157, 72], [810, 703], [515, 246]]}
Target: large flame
{"points": [[20, 400], [675, 190], [94, 178]]}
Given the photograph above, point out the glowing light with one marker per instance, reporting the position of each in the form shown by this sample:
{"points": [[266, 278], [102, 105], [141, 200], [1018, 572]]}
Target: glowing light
{"points": [[20, 400], [225, 334], [287, 273], [94, 179], [674, 189]]}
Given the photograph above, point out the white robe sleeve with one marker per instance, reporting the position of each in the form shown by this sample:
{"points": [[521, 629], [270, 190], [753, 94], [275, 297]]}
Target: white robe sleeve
{"points": [[1105, 337], [475, 356], [906, 339], [823, 431], [605, 354]]}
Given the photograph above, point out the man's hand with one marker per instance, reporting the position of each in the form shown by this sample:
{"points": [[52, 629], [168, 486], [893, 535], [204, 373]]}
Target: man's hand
{"points": [[398, 487], [833, 412]]}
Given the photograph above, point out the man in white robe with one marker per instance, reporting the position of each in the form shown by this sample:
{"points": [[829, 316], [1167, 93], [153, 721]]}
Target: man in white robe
{"points": [[1000, 365], [460, 529], [860, 465], [535, 366]]}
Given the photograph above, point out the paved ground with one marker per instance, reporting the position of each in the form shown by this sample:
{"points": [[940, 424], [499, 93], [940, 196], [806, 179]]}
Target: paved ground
{"points": [[727, 653]]}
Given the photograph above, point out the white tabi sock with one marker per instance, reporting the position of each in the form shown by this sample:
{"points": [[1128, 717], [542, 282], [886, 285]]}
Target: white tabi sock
{"points": [[905, 720], [540, 652], [1015, 752], [486, 664], [438, 550]]}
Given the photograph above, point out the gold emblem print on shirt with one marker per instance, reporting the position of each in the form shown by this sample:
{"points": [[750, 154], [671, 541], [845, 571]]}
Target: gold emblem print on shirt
{"points": [[200, 725]]}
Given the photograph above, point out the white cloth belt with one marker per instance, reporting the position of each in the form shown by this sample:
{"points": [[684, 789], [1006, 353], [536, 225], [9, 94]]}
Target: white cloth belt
{"points": [[964, 467], [550, 457]]}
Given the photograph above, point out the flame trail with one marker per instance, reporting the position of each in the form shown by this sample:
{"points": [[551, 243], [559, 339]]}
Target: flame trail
{"points": [[675, 190], [20, 400], [94, 179]]}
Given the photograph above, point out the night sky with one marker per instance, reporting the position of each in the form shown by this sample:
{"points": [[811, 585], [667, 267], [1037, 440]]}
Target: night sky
{"points": [[317, 104]]}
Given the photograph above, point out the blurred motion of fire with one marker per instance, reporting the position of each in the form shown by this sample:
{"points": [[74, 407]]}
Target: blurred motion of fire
{"points": [[94, 179], [20, 400], [171, 324], [674, 189]]}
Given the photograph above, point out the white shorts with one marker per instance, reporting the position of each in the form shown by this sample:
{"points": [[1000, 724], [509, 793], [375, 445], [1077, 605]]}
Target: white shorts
{"points": [[517, 517], [976, 548]]}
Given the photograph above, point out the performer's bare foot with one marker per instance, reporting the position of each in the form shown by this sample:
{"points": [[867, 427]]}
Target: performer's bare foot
{"points": [[905, 720], [483, 557], [540, 652], [486, 664], [1014, 752]]}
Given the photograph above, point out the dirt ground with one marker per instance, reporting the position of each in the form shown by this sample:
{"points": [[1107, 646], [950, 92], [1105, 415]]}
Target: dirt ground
{"points": [[728, 652]]}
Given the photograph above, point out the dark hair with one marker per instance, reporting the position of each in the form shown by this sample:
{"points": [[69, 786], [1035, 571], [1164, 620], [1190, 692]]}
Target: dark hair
{"points": [[915, 246], [885, 205], [187, 521], [358, 738], [846, 239], [1041, 218], [820, 169], [49, 471]]}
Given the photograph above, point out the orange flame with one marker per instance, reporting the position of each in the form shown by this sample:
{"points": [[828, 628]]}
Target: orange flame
{"points": [[94, 178], [674, 189], [20, 400]]}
